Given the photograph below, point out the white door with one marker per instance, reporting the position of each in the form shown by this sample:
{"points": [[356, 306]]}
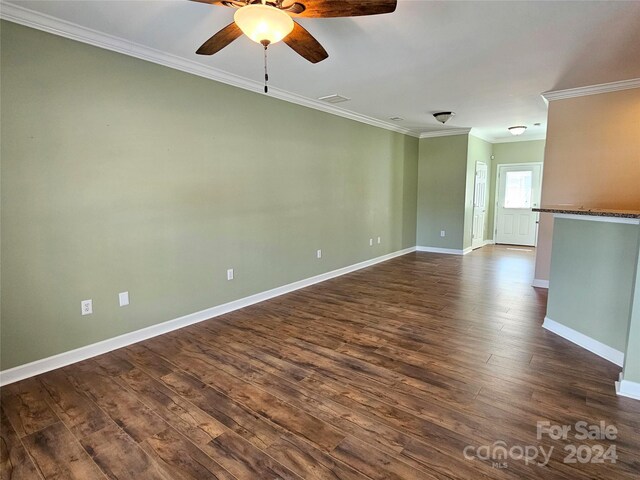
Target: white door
{"points": [[479, 205], [518, 193]]}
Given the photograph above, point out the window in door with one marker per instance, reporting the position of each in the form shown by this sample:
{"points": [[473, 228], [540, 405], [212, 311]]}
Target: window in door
{"points": [[517, 192]]}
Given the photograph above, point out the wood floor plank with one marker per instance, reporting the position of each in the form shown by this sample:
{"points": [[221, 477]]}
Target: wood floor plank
{"points": [[245, 461], [182, 415], [58, 454], [268, 406], [182, 459], [119, 456], [75, 409], [26, 407], [376, 464], [133, 416], [15, 463]]}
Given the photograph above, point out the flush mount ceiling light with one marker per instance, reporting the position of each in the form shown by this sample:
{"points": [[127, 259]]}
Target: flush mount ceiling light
{"points": [[263, 23], [443, 117], [517, 130]]}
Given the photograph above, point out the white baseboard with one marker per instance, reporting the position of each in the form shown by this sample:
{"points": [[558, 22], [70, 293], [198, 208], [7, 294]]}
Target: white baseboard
{"points": [[66, 358], [448, 251], [540, 283], [489, 242], [588, 343], [627, 388]]}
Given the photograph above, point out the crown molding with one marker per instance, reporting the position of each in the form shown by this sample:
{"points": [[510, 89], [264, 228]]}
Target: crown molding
{"points": [[445, 133], [591, 90], [515, 139], [46, 23], [474, 132]]}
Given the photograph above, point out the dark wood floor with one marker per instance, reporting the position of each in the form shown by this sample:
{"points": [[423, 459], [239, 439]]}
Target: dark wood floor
{"points": [[386, 373]]}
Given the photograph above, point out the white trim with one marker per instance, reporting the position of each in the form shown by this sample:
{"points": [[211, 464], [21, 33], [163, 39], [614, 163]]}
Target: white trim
{"points": [[592, 89], [588, 343], [596, 218], [627, 388], [474, 133], [445, 133], [497, 191], [489, 242], [526, 137], [448, 251], [24, 16], [62, 359], [537, 282]]}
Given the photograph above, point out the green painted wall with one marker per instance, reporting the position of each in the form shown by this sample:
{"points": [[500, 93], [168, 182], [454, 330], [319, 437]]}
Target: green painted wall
{"points": [[478, 151], [442, 173], [631, 370], [122, 175], [531, 151], [592, 270]]}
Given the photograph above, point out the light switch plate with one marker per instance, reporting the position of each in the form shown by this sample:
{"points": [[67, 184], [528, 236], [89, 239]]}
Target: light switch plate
{"points": [[123, 297]]}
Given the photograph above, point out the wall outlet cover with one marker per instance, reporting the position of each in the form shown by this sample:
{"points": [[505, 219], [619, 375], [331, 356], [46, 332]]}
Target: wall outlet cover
{"points": [[319, 253], [371, 242], [379, 240], [230, 274]]}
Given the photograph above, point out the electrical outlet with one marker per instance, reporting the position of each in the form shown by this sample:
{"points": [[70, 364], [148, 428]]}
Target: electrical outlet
{"points": [[379, 240], [443, 233], [230, 274], [371, 242], [319, 254], [123, 298], [86, 307]]}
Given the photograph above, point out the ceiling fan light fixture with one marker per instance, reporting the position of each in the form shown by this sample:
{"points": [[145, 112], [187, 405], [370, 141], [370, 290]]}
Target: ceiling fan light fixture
{"points": [[517, 130], [443, 117], [263, 23]]}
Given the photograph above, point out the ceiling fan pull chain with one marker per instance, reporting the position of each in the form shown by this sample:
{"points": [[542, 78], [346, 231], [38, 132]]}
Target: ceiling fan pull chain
{"points": [[266, 75]]}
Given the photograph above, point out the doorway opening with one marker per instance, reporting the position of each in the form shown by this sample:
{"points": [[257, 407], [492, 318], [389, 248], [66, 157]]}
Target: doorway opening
{"points": [[518, 187]]}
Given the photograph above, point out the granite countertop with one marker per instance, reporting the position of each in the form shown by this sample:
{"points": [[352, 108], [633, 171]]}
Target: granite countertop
{"points": [[597, 212]]}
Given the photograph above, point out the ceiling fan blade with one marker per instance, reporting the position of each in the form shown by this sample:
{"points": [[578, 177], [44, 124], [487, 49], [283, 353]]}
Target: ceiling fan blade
{"points": [[345, 8], [220, 40], [305, 45]]}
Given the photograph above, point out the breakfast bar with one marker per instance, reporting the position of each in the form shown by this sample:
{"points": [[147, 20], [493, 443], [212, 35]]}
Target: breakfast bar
{"points": [[594, 260]]}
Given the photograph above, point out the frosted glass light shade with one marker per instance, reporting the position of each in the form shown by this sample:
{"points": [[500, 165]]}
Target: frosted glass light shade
{"points": [[263, 23], [519, 130]]}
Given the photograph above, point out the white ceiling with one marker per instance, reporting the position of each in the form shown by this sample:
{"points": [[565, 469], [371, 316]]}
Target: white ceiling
{"points": [[486, 60]]}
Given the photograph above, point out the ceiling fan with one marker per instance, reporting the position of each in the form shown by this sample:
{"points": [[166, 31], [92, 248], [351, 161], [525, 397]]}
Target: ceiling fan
{"points": [[269, 21]]}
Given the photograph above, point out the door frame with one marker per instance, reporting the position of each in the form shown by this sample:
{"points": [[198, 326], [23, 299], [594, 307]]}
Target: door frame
{"points": [[486, 200], [497, 190]]}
